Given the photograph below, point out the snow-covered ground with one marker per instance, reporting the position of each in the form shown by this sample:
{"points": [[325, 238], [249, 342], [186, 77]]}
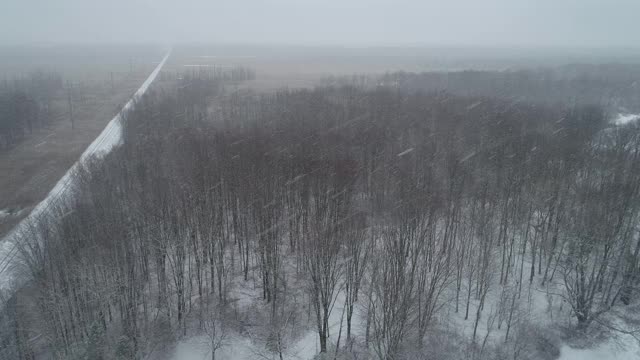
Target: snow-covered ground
{"points": [[538, 307], [607, 351], [301, 344], [614, 345], [197, 348], [104, 143], [622, 119]]}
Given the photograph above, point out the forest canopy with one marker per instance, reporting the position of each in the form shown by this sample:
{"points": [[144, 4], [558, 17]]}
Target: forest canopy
{"points": [[405, 205]]}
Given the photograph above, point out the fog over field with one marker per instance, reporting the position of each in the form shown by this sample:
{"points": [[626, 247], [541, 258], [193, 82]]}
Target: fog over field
{"points": [[319, 180]]}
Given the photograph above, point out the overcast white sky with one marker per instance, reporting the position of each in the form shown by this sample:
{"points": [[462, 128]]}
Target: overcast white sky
{"points": [[576, 23]]}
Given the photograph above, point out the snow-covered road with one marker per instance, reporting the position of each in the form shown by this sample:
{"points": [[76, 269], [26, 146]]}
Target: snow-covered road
{"points": [[110, 137]]}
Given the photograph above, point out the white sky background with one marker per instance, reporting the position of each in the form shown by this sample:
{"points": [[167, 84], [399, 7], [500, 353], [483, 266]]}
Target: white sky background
{"points": [[524, 23]]}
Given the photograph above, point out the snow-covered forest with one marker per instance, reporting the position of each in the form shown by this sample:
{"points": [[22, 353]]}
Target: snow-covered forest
{"points": [[339, 222]]}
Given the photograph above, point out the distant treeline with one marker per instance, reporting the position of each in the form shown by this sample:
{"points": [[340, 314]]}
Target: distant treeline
{"points": [[25, 104], [206, 72], [614, 86]]}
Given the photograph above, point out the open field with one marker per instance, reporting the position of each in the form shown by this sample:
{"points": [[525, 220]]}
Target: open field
{"points": [[79, 63], [303, 67]]}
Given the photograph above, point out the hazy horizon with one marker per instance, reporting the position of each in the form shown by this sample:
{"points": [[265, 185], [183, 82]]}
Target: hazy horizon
{"points": [[458, 23]]}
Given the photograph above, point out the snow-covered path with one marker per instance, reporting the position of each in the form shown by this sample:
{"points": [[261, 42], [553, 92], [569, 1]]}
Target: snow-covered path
{"points": [[622, 118], [110, 137]]}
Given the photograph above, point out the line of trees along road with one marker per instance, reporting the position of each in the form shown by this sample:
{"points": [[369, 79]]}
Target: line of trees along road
{"points": [[25, 104], [402, 206]]}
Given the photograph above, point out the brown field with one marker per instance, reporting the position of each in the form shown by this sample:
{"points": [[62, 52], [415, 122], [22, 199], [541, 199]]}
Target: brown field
{"points": [[295, 67]]}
